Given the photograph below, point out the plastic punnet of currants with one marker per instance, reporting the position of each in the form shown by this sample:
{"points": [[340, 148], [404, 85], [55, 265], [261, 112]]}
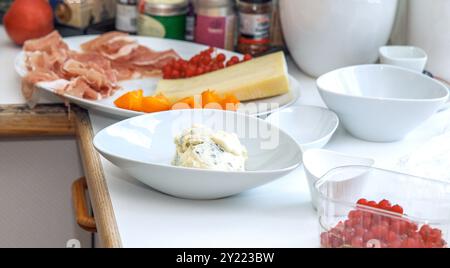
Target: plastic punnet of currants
{"points": [[380, 225]]}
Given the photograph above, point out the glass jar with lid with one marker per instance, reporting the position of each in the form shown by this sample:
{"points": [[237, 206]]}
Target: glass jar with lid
{"points": [[255, 20], [163, 18], [215, 23]]}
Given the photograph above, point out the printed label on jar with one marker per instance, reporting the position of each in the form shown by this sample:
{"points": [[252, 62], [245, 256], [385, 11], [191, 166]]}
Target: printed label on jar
{"points": [[255, 27], [215, 31], [126, 18], [149, 26]]}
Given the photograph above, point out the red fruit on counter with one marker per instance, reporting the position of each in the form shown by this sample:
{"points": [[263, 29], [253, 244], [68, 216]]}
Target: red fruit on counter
{"points": [[28, 19]]}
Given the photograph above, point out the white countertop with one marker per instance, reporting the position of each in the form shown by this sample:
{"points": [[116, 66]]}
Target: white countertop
{"points": [[276, 215]]}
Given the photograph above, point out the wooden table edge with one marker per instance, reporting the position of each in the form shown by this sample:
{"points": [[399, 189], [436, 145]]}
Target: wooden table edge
{"points": [[54, 120]]}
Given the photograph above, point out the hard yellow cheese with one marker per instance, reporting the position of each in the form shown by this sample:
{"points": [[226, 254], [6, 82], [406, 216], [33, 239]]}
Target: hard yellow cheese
{"points": [[259, 78]]}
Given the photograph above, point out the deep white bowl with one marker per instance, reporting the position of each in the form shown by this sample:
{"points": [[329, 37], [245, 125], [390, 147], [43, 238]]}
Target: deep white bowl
{"points": [[381, 103], [144, 148], [323, 35], [312, 127]]}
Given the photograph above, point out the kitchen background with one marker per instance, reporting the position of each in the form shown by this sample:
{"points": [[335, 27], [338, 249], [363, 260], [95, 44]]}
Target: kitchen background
{"points": [[36, 174]]}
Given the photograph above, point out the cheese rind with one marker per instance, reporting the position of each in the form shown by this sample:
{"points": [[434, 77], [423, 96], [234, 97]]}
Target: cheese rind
{"points": [[259, 78]]}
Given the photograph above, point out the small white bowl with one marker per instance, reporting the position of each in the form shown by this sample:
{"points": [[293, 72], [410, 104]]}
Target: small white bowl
{"points": [[381, 103], [409, 57], [312, 127], [144, 147], [317, 163]]}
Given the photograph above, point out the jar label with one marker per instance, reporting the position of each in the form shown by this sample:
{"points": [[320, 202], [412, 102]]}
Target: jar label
{"points": [[149, 26], [255, 28], [126, 18], [215, 31]]}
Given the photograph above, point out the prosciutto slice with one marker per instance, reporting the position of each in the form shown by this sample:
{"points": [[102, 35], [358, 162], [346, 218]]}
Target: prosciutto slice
{"points": [[93, 73]]}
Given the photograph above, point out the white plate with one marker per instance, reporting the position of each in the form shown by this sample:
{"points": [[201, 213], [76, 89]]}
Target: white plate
{"points": [[185, 50], [144, 147], [312, 127]]}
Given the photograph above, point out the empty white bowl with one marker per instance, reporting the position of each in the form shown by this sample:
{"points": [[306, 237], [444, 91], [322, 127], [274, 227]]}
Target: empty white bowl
{"points": [[144, 148], [409, 57], [318, 163], [381, 103], [312, 127]]}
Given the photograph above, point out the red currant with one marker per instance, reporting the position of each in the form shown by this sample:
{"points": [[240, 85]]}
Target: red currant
{"points": [[384, 204], [397, 209], [221, 57], [372, 204], [362, 202], [247, 57]]}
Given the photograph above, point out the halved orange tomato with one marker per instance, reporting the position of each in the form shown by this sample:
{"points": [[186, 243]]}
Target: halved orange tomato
{"points": [[190, 101], [211, 100], [156, 103], [230, 102], [131, 100]]}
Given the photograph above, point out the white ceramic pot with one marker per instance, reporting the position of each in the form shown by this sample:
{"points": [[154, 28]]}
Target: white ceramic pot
{"points": [[323, 35], [429, 28]]}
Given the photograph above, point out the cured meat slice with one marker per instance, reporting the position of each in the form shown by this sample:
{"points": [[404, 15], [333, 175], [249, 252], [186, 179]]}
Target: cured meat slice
{"points": [[29, 82], [81, 89], [147, 57], [46, 44], [98, 43]]}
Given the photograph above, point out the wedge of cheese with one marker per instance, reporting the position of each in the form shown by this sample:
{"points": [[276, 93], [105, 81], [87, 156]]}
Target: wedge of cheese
{"points": [[259, 78]]}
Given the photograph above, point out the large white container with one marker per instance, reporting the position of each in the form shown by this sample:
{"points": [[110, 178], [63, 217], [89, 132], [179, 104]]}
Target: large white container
{"points": [[429, 28], [323, 35]]}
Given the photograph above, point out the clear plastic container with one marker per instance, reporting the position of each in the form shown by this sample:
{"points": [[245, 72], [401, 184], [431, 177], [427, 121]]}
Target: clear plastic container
{"points": [[424, 223]]}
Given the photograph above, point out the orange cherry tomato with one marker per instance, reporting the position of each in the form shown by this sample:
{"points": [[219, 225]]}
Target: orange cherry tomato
{"points": [[230, 102], [154, 104], [131, 100], [186, 103], [211, 100]]}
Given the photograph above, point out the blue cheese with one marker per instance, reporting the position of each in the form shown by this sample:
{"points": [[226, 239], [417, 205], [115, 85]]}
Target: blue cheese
{"points": [[200, 147]]}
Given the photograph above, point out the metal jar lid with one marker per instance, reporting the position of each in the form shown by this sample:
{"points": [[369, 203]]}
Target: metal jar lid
{"points": [[166, 7], [214, 3]]}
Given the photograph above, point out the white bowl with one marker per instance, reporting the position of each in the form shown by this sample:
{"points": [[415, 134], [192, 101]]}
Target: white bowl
{"points": [[317, 163], [144, 148], [323, 35], [409, 57], [381, 103], [312, 127]]}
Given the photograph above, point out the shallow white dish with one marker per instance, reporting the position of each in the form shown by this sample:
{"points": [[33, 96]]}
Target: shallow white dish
{"points": [[143, 147], [409, 57], [312, 127], [185, 50], [381, 103], [318, 162]]}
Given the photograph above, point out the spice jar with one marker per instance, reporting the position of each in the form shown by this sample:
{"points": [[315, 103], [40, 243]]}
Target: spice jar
{"points": [[255, 20], [215, 23], [163, 18], [126, 16]]}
